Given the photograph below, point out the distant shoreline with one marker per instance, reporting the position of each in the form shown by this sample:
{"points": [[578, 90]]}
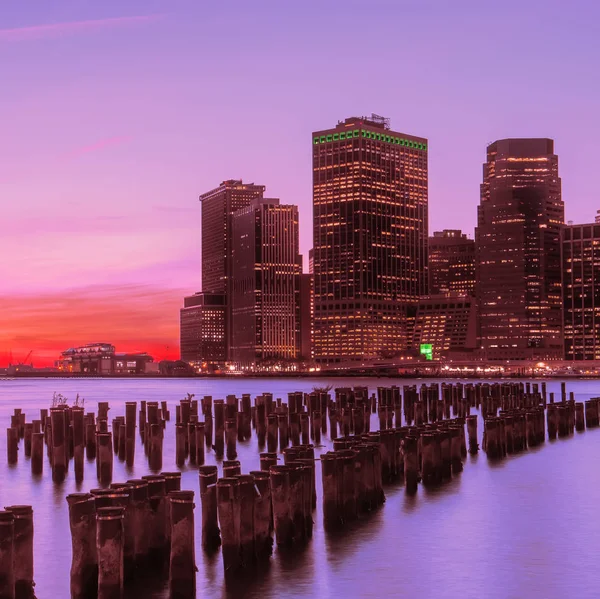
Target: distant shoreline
{"points": [[281, 375]]}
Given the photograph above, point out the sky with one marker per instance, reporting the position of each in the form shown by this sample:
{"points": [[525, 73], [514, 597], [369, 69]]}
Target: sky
{"points": [[117, 114]]}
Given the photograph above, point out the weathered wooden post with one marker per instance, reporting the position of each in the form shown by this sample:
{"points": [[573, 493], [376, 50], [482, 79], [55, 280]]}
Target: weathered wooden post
{"points": [[263, 518], [37, 453], [272, 430], [140, 516], [219, 441], [157, 522], [110, 547], [78, 448], [7, 556], [182, 566], [156, 447], [180, 435], [84, 561], [59, 449], [12, 445], [332, 515], [23, 550], [130, 415], [231, 436], [211, 537], [228, 509], [411, 465], [200, 443], [104, 464], [281, 500]]}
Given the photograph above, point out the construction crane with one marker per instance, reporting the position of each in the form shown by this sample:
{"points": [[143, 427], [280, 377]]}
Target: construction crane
{"points": [[27, 357]]}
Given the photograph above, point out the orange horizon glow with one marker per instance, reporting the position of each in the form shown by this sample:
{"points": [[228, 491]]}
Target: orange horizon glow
{"points": [[133, 318]]}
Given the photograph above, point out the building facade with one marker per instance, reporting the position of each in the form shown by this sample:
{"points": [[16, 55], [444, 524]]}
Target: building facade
{"points": [[266, 269], [581, 291], [202, 329], [218, 206], [369, 239], [451, 263], [518, 244], [307, 311], [447, 323], [103, 359]]}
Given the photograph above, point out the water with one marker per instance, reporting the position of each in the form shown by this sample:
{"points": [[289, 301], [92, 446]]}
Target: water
{"points": [[526, 527]]}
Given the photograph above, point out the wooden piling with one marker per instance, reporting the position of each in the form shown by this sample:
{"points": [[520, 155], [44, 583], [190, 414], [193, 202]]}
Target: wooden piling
{"points": [[7, 556], [157, 523], [140, 516], [23, 551], [110, 547], [59, 449], [12, 445], [84, 560], [211, 536], [78, 448], [37, 453], [182, 565], [263, 518], [199, 432], [228, 506], [104, 464]]}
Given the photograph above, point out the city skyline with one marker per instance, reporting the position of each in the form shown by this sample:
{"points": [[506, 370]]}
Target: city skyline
{"points": [[100, 188]]}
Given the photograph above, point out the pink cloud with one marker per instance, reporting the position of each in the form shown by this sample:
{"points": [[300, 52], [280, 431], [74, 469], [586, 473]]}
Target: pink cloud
{"points": [[19, 34], [99, 145]]}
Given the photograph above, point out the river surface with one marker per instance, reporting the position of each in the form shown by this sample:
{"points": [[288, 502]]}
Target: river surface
{"points": [[526, 527]]}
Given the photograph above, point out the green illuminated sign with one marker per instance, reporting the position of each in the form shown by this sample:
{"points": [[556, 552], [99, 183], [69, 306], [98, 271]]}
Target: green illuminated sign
{"points": [[346, 135], [427, 351]]}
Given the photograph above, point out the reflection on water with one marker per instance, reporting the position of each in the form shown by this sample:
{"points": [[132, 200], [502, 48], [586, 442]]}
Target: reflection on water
{"points": [[522, 527]]}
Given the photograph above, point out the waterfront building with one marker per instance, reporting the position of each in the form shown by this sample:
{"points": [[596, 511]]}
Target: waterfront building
{"points": [[581, 291], [102, 358], [218, 206], [451, 263], [202, 329], [265, 275], [369, 238], [518, 267], [445, 323]]}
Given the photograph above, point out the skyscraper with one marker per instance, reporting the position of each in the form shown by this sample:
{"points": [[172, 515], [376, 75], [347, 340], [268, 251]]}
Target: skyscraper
{"points": [[451, 263], [265, 275], [581, 291], [370, 238], [517, 241], [218, 206], [202, 329]]}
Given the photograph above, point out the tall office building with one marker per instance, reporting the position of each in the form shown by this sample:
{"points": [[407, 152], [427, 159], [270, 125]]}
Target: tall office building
{"points": [[202, 329], [517, 241], [218, 206], [370, 238], [266, 269], [581, 291], [451, 263]]}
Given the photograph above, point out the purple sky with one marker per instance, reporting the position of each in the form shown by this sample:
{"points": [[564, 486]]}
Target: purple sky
{"points": [[117, 114]]}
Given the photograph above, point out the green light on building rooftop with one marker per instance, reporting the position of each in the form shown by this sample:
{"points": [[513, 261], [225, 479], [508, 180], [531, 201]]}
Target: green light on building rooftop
{"points": [[346, 135]]}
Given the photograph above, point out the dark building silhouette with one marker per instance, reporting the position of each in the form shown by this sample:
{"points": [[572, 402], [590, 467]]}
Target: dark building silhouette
{"points": [[518, 251], [218, 206], [451, 263], [581, 291], [369, 238], [202, 329], [265, 275]]}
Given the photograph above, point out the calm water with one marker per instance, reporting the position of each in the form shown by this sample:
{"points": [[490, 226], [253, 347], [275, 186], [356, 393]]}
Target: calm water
{"points": [[527, 527]]}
